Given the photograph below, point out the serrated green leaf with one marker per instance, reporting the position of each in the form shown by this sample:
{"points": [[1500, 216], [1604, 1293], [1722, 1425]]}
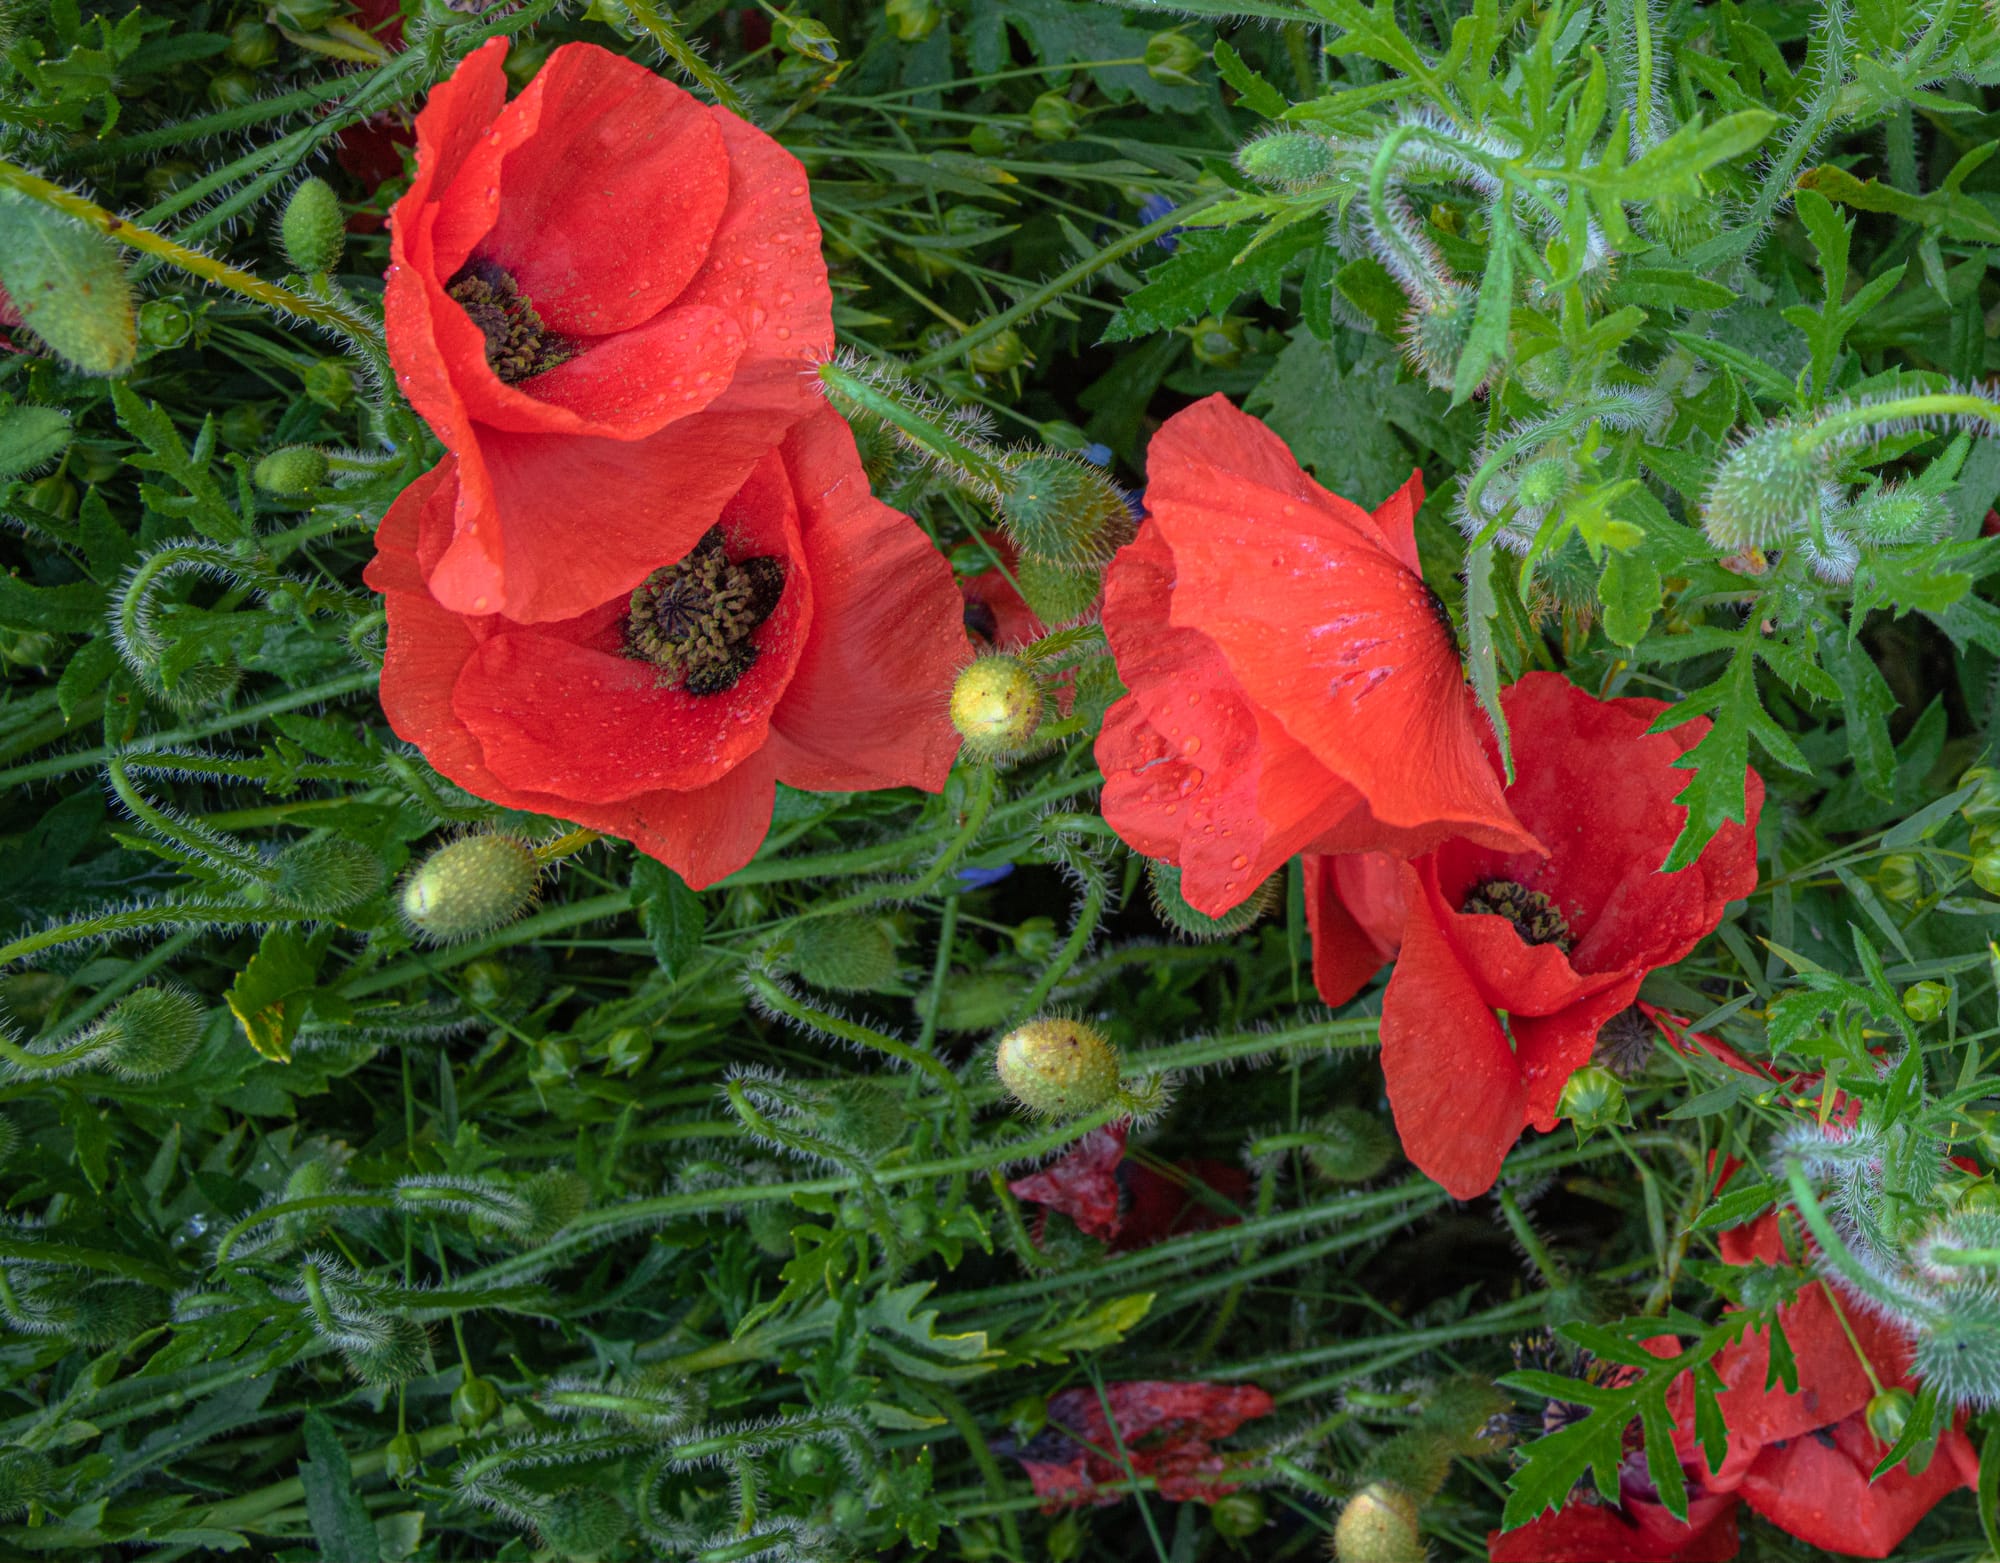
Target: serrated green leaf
{"points": [[1210, 270]]}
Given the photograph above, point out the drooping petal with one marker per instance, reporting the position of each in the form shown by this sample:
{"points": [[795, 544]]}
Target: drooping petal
{"points": [[1353, 902], [868, 705], [1454, 1084], [1639, 1532], [1082, 1183], [1817, 1488]]}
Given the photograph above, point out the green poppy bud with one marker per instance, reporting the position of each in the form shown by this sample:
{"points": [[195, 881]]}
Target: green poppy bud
{"points": [[1889, 1413], [402, 1459], [26, 1477], [1379, 1525], [1171, 907], [977, 1002], [314, 228], [806, 1460], [328, 875], [252, 45], [1350, 1145], [150, 1034], [1172, 59], [1983, 807], [31, 437], [1767, 487], [474, 1403], [1058, 1068], [1238, 1515], [1035, 939], [988, 139], [54, 494], [1288, 159], [996, 705], [1593, 1099], [999, 353], [1217, 342], [1435, 335], [165, 322], [1052, 117], [232, 89], [69, 286], [626, 1050], [1897, 878], [583, 1523], [914, 20], [1983, 1196], [297, 469], [1063, 510], [1058, 593], [845, 954], [1986, 865], [1542, 483], [242, 427], [1923, 1002], [470, 887], [330, 383]]}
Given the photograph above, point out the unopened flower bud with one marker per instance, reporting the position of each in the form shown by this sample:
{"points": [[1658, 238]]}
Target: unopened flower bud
{"points": [[1288, 159], [150, 1034], [1923, 1002], [26, 1477], [402, 1459], [804, 36], [1897, 878], [1542, 483], [252, 45], [999, 353], [1767, 487], [328, 875], [1217, 341], [297, 469], [1063, 510], [69, 286], [1435, 335], [313, 229], [1593, 1099], [1172, 58], [1052, 117], [1889, 1413], [1986, 865], [232, 89], [165, 322], [583, 1523], [1983, 807], [330, 383], [1379, 1525], [996, 705], [1058, 1068], [1172, 908], [845, 954], [1238, 1515], [474, 1403], [1350, 1145], [1058, 593], [470, 887]]}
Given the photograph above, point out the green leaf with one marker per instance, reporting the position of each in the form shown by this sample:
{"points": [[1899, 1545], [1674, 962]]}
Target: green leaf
{"points": [[74, 609], [1366, 284], [1668, 289], [1496, 308], [1480, 610], [270, 995], [30, 438], [1950, 211], [340, 1522], [1212, 268], [1716, 794], [1869, 702], [1630, 591], [203, 504], [671, 914], [1258, 95]]}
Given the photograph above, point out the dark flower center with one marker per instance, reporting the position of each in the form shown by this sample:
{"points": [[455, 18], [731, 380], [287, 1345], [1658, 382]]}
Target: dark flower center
{"points": [[1443, 615], [1625, 1043], [518, 345], [981, 620], [1533, 914], [693, 620]]}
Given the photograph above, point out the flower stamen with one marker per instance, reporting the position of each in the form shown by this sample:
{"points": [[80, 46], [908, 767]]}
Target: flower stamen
{"points": [[1533, 914], [693, 620], [518, 345]]}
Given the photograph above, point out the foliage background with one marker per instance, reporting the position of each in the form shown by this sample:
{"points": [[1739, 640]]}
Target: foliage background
{"points": [[638, 1135]]}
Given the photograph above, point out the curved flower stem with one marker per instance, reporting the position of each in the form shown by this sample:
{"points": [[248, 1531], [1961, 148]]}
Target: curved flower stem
{"points": [[235, 858], [210, 270], [294, 1207], [662, 30], [215, 914]]}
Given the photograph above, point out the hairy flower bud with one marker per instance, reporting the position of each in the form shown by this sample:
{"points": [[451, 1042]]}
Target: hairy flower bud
{"points": [[297, 469], [151, 1033], [474, 1403], [328, 875], [26, 1477], [313, 229], [1063, 510], [996, 705], [1058, 1068], [1058, 593], [1768, 486], [1379, 1525], [1593, 1099], [1350, 1145], [1171, 907], [470, 887], [845, 954], [69, 286], [583, 1523], [1288, 159]]}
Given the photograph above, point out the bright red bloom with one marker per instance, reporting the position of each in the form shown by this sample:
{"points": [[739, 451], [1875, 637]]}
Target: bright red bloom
{"points": [[1126, 1203], [1803, 1460], [603, 297], [1581, 926], [840, 685], [1294, 685], [1167, 1431]]}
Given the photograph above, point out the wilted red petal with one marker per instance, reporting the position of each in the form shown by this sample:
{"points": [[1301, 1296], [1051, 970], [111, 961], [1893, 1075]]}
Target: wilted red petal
{"points": [[1160, 1205], [1166, 1429], [1817, 1488], [1082, 1183], [1638, 1532]]}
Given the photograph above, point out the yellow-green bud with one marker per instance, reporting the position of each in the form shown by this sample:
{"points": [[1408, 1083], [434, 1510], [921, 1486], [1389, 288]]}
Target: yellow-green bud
{"points": [[1983, 807], [297, 469], [999, 353], [1288, 159], [996, 705], [1052, 117], [1923, 1002], [804, 36], [232, 89], [1889, 1413], [1217, 342], [1172, 58], [1593, 1099], [1986, 865], [1898, 879], [69, 286], [252, 45], [330, 383], [1379, 1525], [474, 1403], [313, 229], [1238, 1515], [402, 1459], [165, 322], [470, 887], [1058, 1068]]}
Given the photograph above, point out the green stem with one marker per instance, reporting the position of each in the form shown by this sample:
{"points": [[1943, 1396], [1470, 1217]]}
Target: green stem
{"points": [[981, 467], [663, 31]]}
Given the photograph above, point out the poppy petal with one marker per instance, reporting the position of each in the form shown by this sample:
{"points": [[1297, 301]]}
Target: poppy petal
{"points": [[1583, 1532], [1345, 955], [1817, 1488]]}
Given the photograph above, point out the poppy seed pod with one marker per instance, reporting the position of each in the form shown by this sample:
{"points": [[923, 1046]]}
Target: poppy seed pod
{"points": [[469, 887], [1058, 1068], [1063, 510], [996, 705], [1379, 1525], [1593, 1099], [297, 469], [313, 229]]}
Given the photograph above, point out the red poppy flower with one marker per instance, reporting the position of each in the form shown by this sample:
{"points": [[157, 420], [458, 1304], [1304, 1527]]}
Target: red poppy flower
{"points": [[602, 297], [810, 638], [1803, 1459], [1126, 1203], [1167, 1431], [1558, 941], [1294, 684]]}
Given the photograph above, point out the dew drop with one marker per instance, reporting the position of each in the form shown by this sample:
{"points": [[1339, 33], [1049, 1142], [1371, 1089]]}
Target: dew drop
{"points": [[1239, 861], [1190, 746]]}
